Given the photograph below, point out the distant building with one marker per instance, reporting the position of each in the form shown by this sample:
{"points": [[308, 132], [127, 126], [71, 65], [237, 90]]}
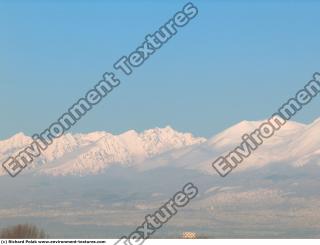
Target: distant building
{"points": [[189, 235]]}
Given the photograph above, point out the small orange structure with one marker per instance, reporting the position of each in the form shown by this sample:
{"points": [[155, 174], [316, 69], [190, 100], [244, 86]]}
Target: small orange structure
{"points": [[189, 235]]}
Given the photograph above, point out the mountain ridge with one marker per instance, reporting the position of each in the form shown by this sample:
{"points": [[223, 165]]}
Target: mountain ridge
{"points": [[93, 153]]}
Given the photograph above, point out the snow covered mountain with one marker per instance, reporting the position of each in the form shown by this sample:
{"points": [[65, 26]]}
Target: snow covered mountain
{"points": [[82, 154], [85, 154]]}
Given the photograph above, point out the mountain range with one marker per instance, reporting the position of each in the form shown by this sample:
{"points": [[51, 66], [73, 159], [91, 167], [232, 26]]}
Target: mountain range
{"points": [[92, 153]]}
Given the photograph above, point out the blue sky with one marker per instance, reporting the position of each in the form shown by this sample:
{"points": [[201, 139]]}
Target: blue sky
{"points": [[237, 60]]}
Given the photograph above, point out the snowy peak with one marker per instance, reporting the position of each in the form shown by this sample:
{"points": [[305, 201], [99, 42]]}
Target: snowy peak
{"points": [[14, 143], [17, 139], [307, 142], [167, 138], [233, 134]]}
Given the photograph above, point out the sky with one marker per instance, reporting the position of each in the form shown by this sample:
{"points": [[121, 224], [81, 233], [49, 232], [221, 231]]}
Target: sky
{"points": [[237, 60]]}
